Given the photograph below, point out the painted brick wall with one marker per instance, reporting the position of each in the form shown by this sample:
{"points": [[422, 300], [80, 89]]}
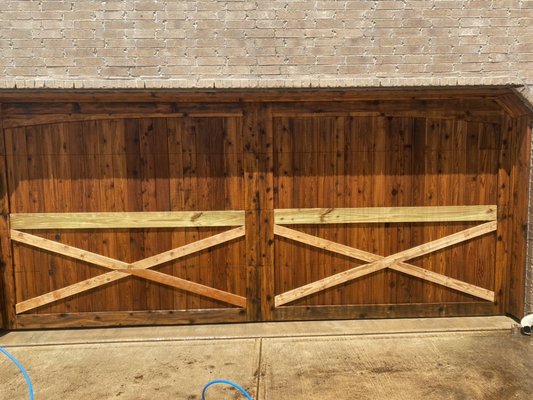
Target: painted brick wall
{"points": [[266, 43], [271, 43]]}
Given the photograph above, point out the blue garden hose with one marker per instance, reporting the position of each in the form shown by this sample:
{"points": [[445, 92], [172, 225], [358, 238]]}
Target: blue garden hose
{"points": [[30, 386], [21, 368], [226, 382]]}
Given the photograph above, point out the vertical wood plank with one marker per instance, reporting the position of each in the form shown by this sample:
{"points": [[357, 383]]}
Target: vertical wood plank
{"points": [[54, 271], [259, 206], [175, 127], [98, 300], [519, 194], [189, 139], [133, 202], [107, 130], [503, 236], [457, 189], [235, 264], [7, 284], [163, 238], [403, 130], [282, 199], [119, 150], [415, 288], [342, 195], [380, 293], [34, 261], [149, 163]]}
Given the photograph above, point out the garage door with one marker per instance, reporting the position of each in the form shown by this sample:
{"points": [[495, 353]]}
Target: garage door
{"points": [[126, 213]]}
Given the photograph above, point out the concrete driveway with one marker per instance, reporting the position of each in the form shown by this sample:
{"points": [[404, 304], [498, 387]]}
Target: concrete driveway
{"points": [[449, 358]]}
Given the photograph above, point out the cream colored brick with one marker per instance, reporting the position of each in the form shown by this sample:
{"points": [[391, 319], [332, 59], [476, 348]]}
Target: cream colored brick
{"points": [[70, 16], [298, 24], [114, 71], [11, 33], [210, 60], [242, 24], [282, 51], [149, 5], [437, 42], [265, 70], [290, 14], [149, 43], [56, 5], [83, 71], [206, 70], [144, 71], [113, 5]]}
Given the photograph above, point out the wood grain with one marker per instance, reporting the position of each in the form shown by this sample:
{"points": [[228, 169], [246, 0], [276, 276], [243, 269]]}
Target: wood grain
{"points": [[7, 279], [314, 154], [259, 204], [300, 216], [119, 266], [405, 268], [131, 318], [127, 220], [385, 262], [366, 311]]}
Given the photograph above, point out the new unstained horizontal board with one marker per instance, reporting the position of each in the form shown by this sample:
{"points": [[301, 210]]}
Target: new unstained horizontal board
{"points": [[363, 215], [125, 220]]}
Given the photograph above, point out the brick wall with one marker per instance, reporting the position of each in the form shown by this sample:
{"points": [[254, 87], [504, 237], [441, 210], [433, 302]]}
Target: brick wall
{"points": [[242, 43], [266, 43]]}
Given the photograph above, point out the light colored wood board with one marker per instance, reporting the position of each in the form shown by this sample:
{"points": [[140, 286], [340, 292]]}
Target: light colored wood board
{"points": [[189, 286], [324, 244], [69, 291], [299, 216], [444, 280], [66, 250], [326, 283], [108, 263], [125, 220], [385, 262], [190, 248]]}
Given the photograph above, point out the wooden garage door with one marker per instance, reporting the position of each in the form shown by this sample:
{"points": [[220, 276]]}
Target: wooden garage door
{"points": [[385, 211], [261, 208], [128, 215]]}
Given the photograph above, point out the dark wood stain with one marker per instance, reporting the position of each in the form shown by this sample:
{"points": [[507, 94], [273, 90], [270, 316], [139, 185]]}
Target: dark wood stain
{"points": [[154, 152]]}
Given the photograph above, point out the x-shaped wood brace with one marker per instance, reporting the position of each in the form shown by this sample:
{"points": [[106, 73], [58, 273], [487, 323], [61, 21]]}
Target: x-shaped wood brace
{"points": [[377, 263], [122, 269]]}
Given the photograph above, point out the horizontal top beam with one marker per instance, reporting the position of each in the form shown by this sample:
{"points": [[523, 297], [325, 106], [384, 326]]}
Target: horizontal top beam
{"points": [[297, 216], [284, 216], [112, 220], [255, 95]]}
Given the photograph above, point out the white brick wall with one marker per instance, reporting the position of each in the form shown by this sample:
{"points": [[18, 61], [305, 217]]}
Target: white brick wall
{"points": [[270, 43]]}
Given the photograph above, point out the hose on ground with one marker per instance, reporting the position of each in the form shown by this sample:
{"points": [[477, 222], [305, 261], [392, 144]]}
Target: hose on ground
{"points": [[21, 368], [226, 382]]}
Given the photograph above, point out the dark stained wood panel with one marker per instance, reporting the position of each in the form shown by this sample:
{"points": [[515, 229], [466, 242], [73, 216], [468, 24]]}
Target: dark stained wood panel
{"points": [[128, 165], [333, 162], [259, 151]]}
